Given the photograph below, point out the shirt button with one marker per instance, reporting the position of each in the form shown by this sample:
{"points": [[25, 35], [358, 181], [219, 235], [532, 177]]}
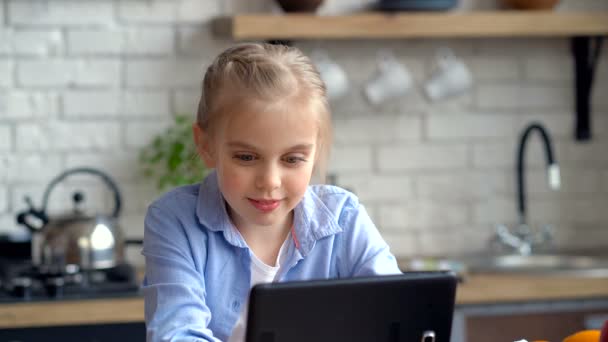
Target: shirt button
{"points": [[236, 305]]}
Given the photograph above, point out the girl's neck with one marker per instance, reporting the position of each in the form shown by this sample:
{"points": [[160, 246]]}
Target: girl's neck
{"points": [[266, 242]]}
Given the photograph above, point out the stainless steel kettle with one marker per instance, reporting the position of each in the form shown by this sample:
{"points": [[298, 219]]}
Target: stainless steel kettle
{"points": [[74, 241]]}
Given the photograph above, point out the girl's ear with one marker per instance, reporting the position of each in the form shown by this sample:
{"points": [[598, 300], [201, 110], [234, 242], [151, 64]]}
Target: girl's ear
{"points": [[203, 145]]}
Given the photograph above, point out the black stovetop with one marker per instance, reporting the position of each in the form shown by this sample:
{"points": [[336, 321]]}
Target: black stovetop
{"points": [[20, 281]]}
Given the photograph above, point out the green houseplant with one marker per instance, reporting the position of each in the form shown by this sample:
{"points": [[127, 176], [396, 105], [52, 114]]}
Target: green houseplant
{"points": [[171, 157]]}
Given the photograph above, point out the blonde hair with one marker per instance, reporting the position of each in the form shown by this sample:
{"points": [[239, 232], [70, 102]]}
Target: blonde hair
{"points": [[265, 74]]}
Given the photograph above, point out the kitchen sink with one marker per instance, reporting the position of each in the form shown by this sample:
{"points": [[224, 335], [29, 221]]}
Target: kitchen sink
{"points": [[542, 264]]}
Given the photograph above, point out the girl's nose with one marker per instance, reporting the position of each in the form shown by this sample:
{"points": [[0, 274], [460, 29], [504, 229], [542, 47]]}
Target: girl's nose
{"points": [[269, 177]]}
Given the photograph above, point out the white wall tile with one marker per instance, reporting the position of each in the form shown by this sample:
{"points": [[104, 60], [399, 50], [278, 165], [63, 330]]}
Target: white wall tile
{"points": [[197, 11], [558, 68], [122, 165], [367, 129], [494, 69], [504, 155], [6, 72], [3, 199], [89, 103], [163, 74], [526, 96], [95, 41], [31, 168], [63, 73], [136, 199], [199, 40], [64, 13], [67, 136], [378, 187], [19, 105], [36, 42], [139, 134], [462, 186], [455, 242], [470, 126], [573, 181], [150, 41], [153, 11], [420, 157], [6, 36], [145, 103], [497, 210], [351, 159], [6, 138], [421, 215], [402, 245], [185, 102]]}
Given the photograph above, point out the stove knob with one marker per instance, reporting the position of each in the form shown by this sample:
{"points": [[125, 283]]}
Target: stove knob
{"points": [[22, 287], [54, 286]]}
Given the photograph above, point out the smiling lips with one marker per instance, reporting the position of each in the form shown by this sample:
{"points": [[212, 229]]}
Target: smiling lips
{"points": [[265, 205]]}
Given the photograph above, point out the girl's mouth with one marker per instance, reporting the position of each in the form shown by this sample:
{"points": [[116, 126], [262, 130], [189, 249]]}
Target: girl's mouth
{"points": [[265, 205]]}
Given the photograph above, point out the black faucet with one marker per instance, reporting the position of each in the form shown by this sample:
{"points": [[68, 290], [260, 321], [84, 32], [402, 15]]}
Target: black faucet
{"points": [[552, 168], [523, 239]]}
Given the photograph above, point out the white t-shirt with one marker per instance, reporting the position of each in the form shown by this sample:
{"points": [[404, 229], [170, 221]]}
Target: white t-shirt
{"points": [[260, 273]]}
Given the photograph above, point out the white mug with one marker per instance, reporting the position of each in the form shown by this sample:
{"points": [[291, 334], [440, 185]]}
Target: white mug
{"points": [[332, 74], [451, 77], [392, 80]]}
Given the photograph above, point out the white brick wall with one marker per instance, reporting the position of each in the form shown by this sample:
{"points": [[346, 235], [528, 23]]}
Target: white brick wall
{"points": [[68, 136], [157, 41], [155, 11], [63, 13], [64, 73], [31, 42], [3, 199], [6, 138], [420, 157], [26, 105], [166, 73], [138, 134], [88, 83], [351, 159], [6, 72], [115, 103], [31, 167]]}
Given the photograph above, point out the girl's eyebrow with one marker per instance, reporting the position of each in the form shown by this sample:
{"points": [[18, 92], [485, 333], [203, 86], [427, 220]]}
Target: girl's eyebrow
{"points": [[240, 144]]}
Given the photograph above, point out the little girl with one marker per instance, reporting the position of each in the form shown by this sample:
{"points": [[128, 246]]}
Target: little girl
{"points": [[264, 126]]}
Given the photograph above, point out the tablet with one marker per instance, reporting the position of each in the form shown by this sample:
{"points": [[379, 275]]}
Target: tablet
{"points": [[414, 306]]}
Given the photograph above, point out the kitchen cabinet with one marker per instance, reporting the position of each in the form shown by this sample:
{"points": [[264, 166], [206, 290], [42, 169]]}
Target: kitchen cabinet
{"points": [[548, 320]]}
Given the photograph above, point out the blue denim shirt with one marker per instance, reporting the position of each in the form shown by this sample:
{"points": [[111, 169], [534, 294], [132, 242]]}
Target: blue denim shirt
{"points": [[198, 265]]}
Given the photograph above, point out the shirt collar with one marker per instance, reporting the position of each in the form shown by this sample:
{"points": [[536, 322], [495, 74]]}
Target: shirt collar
{"points": [[312, 219]]}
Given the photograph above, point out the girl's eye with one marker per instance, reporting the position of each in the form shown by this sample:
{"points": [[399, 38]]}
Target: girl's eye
{"points": [[244, 157], [294, 159]]}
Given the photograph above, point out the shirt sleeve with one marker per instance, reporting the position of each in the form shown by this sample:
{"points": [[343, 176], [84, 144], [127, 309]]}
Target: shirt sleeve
{"points": [[365, 251], [174, 290]]}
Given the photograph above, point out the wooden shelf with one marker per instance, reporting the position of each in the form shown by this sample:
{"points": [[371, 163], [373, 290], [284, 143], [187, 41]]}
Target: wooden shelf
{"points": [[415, 25]]}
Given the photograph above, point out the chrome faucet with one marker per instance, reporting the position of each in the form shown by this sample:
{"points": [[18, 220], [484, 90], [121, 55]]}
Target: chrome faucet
{"points": [[524, 239]]}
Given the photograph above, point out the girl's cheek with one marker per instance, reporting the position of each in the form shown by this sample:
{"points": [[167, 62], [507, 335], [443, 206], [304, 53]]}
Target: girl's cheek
{"points": [[233, 180]]}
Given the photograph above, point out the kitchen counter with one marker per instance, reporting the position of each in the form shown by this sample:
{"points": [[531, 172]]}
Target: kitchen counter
{"points": [[476, 289]]}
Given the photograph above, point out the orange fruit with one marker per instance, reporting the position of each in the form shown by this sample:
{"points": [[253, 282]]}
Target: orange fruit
{"points": [[584, 336]]}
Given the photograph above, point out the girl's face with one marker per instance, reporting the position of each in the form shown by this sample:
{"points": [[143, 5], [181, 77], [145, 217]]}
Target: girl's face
{"points": [[264, 162]]}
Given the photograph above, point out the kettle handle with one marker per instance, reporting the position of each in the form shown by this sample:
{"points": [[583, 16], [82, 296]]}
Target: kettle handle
{"points": [[109, 182]]}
